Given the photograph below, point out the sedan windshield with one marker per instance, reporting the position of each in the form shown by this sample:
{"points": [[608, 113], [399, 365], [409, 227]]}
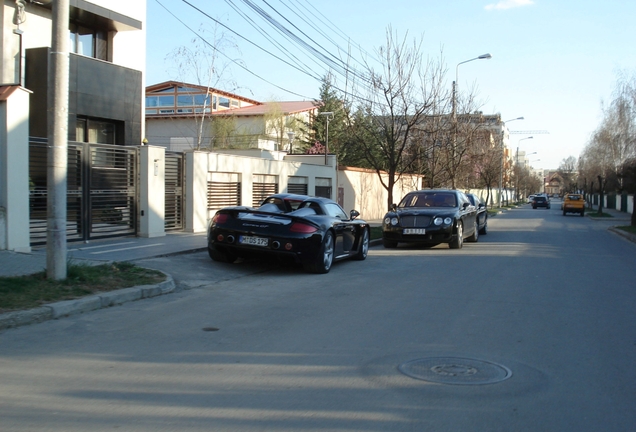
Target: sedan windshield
{"points": [[429, 199]]}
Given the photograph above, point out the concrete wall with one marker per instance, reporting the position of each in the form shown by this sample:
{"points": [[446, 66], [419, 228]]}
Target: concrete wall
{"points": [[362, 190], [14, 169], [202, 167]]}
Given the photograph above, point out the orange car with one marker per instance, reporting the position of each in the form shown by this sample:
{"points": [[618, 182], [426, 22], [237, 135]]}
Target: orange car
{"points": [[573, 203]]}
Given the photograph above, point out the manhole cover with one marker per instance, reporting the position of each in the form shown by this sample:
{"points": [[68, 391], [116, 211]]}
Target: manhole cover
{"points": [[455, 370]]}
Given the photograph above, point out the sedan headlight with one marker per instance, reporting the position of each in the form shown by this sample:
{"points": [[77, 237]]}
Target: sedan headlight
{"points": [[391, 220], [439, 220]]}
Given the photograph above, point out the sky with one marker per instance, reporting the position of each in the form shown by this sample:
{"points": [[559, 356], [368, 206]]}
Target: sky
{"points": [[554, 63]]}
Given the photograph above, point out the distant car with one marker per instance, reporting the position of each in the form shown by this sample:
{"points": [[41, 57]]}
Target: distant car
{"points": [[541, 201], [530, 198], [431, 217], [482, 213], [312, 231], [573, 203]]}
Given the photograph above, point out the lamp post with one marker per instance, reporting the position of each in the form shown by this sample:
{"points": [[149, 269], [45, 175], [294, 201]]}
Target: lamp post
{"points": [[454, 103], [517, 165], [503, 131], [329, 116], [455, 83], [291, 136]]}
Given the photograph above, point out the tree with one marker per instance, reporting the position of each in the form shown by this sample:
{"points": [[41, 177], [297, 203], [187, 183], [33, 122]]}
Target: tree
{"points": [[398, 98], [567, 170], [201, 63]]}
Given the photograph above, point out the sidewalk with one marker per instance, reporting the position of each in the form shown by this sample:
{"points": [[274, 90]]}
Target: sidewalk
{"points": [[103, 251]]}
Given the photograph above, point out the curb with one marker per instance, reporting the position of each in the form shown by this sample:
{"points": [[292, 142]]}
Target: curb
{"points": [[85, 304], [629, 236]]}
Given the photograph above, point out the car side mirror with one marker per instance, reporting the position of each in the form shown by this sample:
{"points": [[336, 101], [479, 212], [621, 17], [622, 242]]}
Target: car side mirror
{"points": [[393, 207], [354, 214], [465, 205]]}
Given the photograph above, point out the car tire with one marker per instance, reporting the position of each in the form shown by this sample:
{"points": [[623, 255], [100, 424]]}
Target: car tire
{"points": [[224, 257], [389, 244], [582, 212], [458, 241], [363, 249], [484, 229], [534, 207], [564, 212], [474, 238], [324, 259]]}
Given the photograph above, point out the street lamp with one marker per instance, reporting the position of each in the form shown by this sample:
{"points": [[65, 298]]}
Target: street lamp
{"points": [[503, 131], [291, 136], [454, 103], [329, 116], [456, 82], [517, 164]]}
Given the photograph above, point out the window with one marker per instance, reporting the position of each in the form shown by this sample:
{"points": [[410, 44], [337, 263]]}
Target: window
{"points": [[224, 102], [95, 131], [88, 41]]}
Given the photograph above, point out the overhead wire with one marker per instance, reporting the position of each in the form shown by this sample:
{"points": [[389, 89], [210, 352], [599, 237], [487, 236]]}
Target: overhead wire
{"points": [[334, 64]]}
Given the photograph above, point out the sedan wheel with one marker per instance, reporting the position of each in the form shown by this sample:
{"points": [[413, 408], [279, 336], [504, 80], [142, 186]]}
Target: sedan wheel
{"points": [[225, 257], [325, 257], [458, 241], [475, 236], [484, 229], [363, 250], [389, 244]]}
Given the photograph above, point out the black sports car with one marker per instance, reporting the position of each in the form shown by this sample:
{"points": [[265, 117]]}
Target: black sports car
{"points": [[482, 213], [313, 231], [431, 217]]}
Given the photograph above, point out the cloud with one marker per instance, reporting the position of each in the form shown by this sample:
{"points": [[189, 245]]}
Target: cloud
{"points": [[509, 4]]}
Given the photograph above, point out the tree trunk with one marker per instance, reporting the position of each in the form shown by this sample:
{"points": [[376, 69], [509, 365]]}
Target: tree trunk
{"points": [[634, 210], [600, 196]]}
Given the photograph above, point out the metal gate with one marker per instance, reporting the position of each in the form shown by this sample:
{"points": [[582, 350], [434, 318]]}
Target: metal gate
{"points": [[101, 191], [174, 191]]}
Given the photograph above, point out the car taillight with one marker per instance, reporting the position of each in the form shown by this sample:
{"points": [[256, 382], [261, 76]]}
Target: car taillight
{"points": [[220, 218], [302, 228]]}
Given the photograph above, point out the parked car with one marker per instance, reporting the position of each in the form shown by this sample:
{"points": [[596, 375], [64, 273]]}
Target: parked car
{"points": [[431, 217], [312, 231], [530, 198], [541, 201], [482, 213], [573, 203]]}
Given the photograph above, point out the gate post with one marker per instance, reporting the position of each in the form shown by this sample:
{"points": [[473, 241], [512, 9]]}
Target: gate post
{"points": [[152, 191], [14, 168], [196, 192]]}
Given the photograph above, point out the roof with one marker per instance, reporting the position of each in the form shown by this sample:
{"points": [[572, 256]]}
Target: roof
{"points": [[290, 107], [7, 90], [167, 84]]}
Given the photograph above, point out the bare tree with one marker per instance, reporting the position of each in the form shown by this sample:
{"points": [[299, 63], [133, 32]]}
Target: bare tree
{"points": [[399, 97], [207, 65]]}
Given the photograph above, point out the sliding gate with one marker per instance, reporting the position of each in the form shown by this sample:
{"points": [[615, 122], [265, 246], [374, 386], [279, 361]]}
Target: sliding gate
{"points": [[101, 191]]}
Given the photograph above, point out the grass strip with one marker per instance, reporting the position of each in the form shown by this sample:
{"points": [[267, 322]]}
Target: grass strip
{"points": [[31, 291]]}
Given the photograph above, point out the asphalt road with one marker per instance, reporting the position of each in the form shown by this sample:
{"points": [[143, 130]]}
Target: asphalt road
{"points": [[530, 329]]}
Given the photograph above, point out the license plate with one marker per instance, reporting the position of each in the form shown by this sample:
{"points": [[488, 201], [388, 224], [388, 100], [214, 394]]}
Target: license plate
{"points": [[254, 241], [416, 231]]}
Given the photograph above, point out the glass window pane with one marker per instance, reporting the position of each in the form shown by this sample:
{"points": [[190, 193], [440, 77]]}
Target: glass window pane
{"points": [[185, 100], [165, 101]]}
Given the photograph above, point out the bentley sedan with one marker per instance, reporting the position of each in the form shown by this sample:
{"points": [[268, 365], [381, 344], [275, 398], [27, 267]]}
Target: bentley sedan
{"points": [[482, 213], [312, 231], [431, 217]]}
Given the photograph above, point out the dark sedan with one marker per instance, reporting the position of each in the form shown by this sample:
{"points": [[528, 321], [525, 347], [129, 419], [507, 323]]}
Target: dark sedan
{"points": [[541, 201], [312, 231], [482, 213], [431, 217]]}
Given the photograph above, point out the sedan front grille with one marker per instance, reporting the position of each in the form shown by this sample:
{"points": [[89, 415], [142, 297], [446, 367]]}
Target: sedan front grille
{"points": [[415, 221]]}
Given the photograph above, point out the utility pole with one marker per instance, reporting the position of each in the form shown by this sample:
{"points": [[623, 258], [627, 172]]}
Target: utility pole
{"points": [[57, 154]]}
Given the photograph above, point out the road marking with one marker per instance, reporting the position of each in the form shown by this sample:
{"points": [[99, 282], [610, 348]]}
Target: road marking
{"points": [[100, 246], [129, 248]]}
